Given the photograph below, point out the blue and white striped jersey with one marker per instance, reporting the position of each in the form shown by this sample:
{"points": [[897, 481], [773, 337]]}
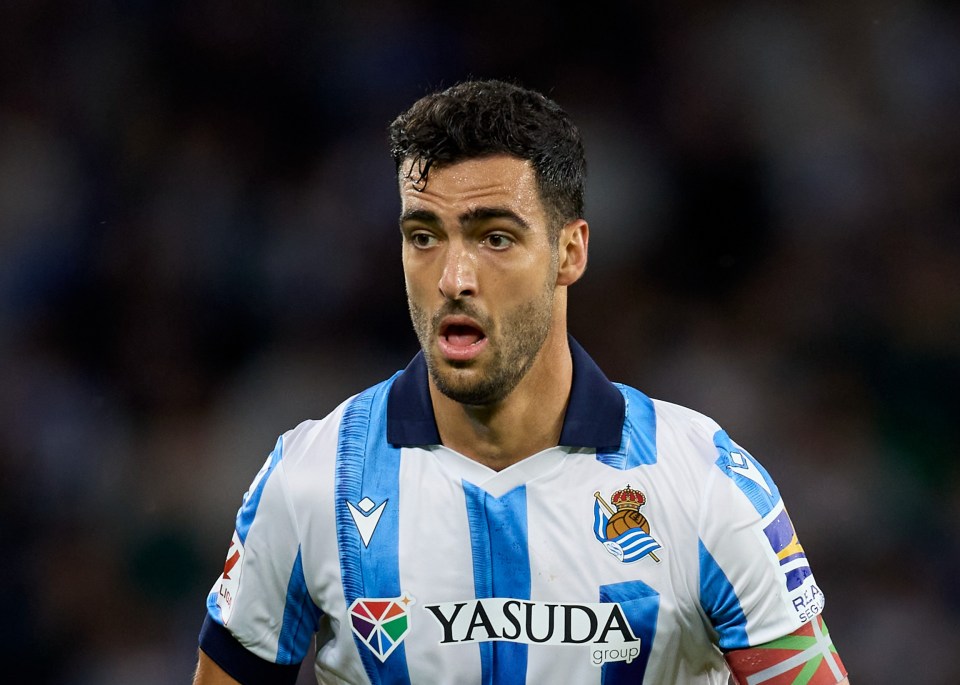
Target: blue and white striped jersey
{"points": [[636, 551]]}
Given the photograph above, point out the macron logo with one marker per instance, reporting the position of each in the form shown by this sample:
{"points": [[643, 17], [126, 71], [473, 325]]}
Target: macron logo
{"points": [[746, 468], [366, 515]]}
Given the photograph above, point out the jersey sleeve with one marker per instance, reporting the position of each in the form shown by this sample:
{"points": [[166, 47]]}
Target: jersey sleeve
{"points": [[756, 584], [260, 616]]}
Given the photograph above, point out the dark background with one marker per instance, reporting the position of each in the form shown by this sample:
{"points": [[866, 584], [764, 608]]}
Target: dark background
{"points": [[198, 250]]}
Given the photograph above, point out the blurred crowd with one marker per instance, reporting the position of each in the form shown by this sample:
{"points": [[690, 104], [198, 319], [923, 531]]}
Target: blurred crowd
{"points": [[198, 250]]}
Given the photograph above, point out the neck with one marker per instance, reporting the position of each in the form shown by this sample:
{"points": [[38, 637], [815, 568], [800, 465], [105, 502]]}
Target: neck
{"points": [[527, 421]]}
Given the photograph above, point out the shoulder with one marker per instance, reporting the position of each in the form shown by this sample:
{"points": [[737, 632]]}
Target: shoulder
{"points": [[314, 439], [307, 455], [674, 425], [663, 433], [689, 439], [312, 435], [698, 440], [677, 418]]}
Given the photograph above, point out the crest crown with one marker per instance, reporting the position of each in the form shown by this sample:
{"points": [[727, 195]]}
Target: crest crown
{"points": [[628, 498]]}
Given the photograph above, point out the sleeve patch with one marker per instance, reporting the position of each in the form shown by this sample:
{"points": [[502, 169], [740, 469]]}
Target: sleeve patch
{"points": [[805, 597], [790, 554], [230, 579]]}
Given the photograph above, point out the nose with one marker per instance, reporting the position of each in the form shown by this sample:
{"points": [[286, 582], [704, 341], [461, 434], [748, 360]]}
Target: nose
{"points": [[459, 277]]}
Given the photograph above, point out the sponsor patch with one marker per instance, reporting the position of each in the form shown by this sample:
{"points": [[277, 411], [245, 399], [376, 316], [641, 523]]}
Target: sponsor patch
{"points": [[381, 624], [805, 596], [807, 600], [790, 554], [230, 578], [601, 626], [624, 531]]}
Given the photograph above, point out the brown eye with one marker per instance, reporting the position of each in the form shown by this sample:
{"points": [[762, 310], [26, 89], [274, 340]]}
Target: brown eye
{"points": [[498, 241], [423, 240]]}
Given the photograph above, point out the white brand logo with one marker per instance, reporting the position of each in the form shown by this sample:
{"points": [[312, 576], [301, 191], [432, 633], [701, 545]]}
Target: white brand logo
{"points": [[746, 468], [366, 517]]}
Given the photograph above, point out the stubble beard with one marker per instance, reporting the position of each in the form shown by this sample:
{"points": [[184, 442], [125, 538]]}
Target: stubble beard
{"points": [[519, 339]]}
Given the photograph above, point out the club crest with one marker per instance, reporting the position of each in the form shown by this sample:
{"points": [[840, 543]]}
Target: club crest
{"points": [[624, 531]]}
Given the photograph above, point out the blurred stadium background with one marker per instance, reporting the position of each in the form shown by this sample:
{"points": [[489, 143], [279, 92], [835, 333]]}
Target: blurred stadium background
{"points": [[198, 250]]}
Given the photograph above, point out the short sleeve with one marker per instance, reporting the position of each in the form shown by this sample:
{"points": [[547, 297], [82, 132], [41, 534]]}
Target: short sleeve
{"points": [[756, 584], [260, 616]]}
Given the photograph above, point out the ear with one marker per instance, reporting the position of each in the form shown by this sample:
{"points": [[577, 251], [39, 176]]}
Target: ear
{"points": [[572, 247]]}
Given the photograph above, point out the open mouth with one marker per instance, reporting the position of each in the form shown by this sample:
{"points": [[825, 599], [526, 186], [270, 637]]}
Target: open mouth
{"points": [[461, 340], [461, 335]]}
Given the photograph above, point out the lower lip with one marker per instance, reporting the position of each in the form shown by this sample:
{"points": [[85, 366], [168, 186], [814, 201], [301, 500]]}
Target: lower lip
{"points": [[461, 353]]}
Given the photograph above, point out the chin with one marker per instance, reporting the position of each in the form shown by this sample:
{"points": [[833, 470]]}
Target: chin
{"points": [[465, 388]]}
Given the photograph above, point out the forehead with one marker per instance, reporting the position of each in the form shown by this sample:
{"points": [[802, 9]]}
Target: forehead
{"points": [[501, 181]]}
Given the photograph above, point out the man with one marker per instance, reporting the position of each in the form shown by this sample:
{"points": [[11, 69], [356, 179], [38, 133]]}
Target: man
{"points": [[499, 512]]}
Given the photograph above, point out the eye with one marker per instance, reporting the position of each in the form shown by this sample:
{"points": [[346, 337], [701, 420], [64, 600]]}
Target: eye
{"points": [[498, 241], [422, 240]]}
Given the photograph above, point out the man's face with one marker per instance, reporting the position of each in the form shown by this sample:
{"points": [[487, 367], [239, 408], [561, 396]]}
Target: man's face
{"points": [[480, 272]]}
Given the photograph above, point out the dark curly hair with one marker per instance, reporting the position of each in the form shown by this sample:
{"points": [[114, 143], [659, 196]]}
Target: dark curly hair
{"points": [[480, 118]]}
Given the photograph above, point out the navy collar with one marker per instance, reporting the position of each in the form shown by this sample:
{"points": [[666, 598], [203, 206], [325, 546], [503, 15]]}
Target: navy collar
{"points": [[594, 418]]}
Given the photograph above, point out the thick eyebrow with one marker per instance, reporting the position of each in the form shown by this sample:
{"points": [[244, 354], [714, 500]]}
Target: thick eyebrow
{"points": [[422, 215], [473, 215], [483, 213]]}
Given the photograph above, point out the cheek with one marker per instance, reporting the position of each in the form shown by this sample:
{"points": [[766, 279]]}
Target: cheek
{"points": [[416, 284], [524, 283], [413, 275]]}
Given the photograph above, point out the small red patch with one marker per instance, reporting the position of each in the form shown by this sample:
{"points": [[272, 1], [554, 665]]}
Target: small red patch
{"points": [[230, 563]]}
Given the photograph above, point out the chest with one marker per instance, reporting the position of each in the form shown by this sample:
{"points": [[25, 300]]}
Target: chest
{"points": [[553, 562]]}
